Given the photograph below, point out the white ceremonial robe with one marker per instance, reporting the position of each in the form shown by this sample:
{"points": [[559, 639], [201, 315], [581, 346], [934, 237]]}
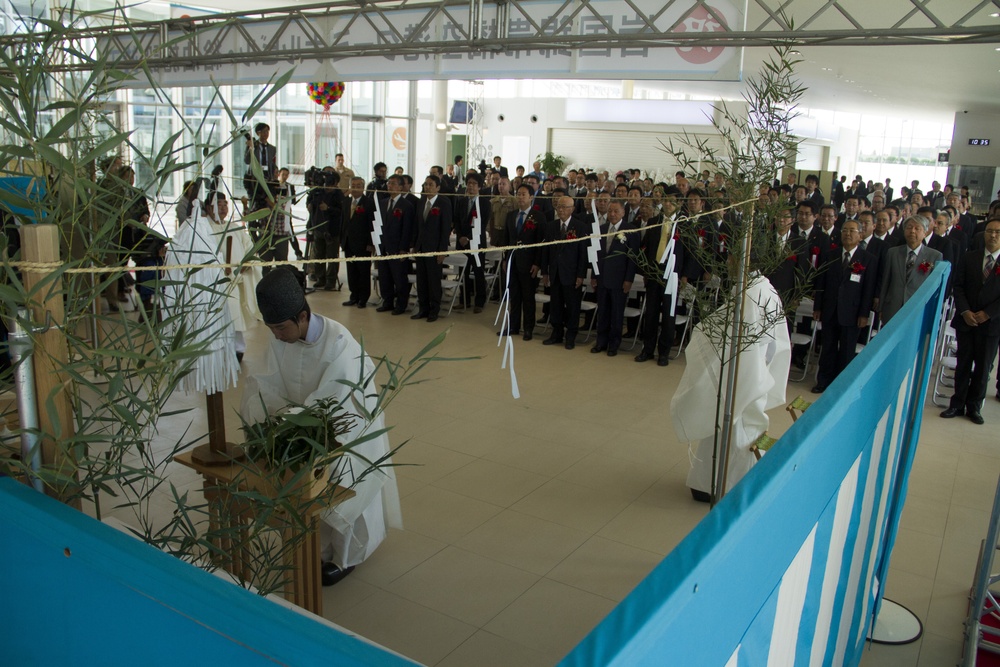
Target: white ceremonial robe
{"points": [[303, 373], [242, 297], [763, 375]]}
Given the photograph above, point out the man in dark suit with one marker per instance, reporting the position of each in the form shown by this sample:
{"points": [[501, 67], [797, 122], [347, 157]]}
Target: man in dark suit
{"points": [[356, 240], [905, 268], [843, 301], [433, 233], [937, 238], [788, 276], [524, 229], [977, 324], [955, 232], [564, 267], [659, 324], [497, 167], [399, 226], [473, 211], [617, 271], [888, 190], [267, 156]]}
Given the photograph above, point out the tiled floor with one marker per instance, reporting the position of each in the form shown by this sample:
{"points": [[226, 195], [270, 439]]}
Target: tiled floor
{"points": [[527, 520]]}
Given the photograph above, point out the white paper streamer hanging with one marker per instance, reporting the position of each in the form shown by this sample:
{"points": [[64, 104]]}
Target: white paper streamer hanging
{"points": [[668, 258], [477, 227], [377, 225], [595, 239], [508, 340]]}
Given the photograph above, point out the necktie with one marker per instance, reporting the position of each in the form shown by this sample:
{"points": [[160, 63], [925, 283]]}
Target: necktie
{"points": [[520, 221], [911, 259], [864, 245], [988, 269], [427, 209], [611, 238], [847, 261]]}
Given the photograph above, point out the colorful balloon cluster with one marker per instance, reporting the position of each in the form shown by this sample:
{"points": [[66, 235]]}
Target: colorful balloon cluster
{"points": [[327, 93]]}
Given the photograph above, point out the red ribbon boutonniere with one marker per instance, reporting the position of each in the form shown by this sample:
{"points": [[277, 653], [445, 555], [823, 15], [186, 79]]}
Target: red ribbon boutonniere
{"points": [[536, 207], [435, 211], [996, 271], [857, 268], [677, 236], [701, 233], [833, 246], [571, 234], [529, 225], [791, 258], [474, 214], [925, 267], [397, 213], [360, 210], [814, 251]]}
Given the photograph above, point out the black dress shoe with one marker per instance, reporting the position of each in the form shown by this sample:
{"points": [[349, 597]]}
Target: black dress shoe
{"points": [[552, 340], [526, 336], [664, 360], [384, 309], [542, 320], [432, 318], [642, 356], [819, 389], [596, 349], [951, 413], [975, 417], [418, 316], [332, 574], [351, 302], [701, 496], [399, 311], [477, 309], [799, 363], [362, 304], [570, 344], [612, 353]]}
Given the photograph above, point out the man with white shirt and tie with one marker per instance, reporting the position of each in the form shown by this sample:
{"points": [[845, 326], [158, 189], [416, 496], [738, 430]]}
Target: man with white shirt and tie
{"points": [[842, 302], [976, 323], [433, 235], [356, 240], [524, 228], [471, 216], [398, 231], [906, 268]]}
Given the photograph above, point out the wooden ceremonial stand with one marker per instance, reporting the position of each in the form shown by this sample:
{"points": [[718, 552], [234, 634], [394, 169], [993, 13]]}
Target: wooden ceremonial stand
{"points": [[304, 587]]}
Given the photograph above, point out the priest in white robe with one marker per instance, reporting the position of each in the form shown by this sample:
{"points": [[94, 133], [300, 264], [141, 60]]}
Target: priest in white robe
{"points": [[309, 357], [763, 374]]}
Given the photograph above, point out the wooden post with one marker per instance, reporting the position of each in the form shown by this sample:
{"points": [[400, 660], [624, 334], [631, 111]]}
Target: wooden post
{"points": [[40, 243]]}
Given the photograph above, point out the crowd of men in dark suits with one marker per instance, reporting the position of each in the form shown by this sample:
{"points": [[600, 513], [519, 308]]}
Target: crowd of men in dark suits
{"points": [[859, 257]]}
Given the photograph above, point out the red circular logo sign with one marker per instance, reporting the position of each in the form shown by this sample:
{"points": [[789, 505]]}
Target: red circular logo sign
{"points": [[700, 20]]}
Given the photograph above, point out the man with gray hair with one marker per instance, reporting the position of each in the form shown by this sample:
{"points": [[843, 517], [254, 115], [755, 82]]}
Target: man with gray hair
{"points": [[906, 267]]}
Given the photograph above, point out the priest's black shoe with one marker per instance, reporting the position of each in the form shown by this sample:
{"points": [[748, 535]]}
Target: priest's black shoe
{"points": [[418, 316], [332, 574], [643, 356], [350, 302], [975, 418], [552, 340], [701, 496], [951, 413]]}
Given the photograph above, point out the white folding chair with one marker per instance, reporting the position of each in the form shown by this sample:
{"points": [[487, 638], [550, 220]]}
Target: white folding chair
{"points": [[804, 313], [493, 260], [588, 306], [453, 277], [638, 291]]}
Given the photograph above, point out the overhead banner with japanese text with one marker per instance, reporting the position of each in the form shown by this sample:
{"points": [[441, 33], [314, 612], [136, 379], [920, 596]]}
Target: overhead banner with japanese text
{"points": [[297, 40]]}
